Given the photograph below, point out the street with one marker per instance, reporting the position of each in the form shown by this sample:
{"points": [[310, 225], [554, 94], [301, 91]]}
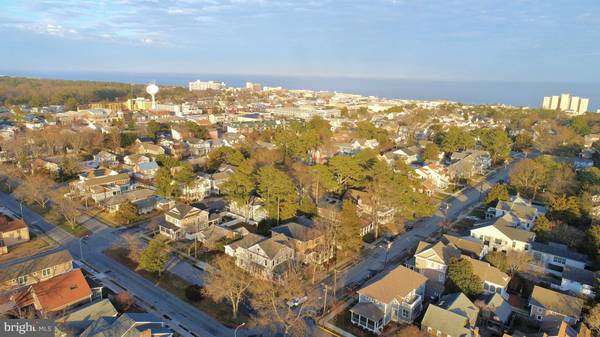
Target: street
{"points": [[183, 316]]}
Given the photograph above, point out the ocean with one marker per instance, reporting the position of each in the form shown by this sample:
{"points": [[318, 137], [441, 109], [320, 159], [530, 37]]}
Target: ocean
{"points": [[518, 93]]}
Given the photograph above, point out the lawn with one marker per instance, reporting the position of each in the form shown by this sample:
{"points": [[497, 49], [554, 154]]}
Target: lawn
{"points": [[54, 217], [35, 245], [176, 286]]}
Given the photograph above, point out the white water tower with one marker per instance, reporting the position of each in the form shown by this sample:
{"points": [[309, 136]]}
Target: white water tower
{"points": [[152, 90]]}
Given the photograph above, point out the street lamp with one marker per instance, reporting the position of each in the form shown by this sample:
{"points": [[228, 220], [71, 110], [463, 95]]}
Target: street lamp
{"points": [[389, 245], [236, 329]]}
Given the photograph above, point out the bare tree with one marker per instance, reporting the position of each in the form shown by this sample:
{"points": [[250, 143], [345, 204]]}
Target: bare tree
{"points": [[133, 245], [270, 300], [67, 207], [226, 281], [35, 188]]}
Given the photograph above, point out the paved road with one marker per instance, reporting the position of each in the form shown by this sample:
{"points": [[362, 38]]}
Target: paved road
{"points": [[160, 301], [373, 262]]}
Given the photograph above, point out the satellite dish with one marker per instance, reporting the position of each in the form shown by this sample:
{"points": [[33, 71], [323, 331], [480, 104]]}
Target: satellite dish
{"points": [[152, 89]]}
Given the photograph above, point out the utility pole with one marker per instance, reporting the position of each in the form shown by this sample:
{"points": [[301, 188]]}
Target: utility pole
{"points": [[334, 284], [324, 300]]}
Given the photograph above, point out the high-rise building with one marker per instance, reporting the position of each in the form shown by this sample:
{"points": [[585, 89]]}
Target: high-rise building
{"points": [[200, 85], [573, 105], [554, 103], [565, 102], [546, 103]]}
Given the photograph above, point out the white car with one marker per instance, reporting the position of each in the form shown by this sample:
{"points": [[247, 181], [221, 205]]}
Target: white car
{"points": [[296, 301]]}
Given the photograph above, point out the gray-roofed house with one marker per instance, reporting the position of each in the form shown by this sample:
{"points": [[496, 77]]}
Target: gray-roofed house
{"points": [[496, 314], [397, 296], [145, 170], [579, 282], [183, 221], [128, 325], [307, 242], [455, 315], [554, 257], [268, 258], [35, 269], [467, 245], [144, 199], [523, 212], [79, 319], [432, 260], [494, 280], [550, 306], [501, 234]]}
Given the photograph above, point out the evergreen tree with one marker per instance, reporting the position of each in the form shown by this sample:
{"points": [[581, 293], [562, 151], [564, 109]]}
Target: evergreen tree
{"points": [[278, 192], [461, 278], [155, 256]]}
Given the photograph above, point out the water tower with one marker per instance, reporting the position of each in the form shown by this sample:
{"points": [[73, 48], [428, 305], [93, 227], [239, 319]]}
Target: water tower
{"points": [[152, 90]]}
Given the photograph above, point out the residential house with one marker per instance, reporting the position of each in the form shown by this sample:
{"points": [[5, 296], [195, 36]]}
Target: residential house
{"points": [[522, 211], [196, 190], [434, 176], [35, 269], [217, 179], [397, 296], [408, 154], [432, 260], [255, 211], [150, 149], [455, 316], [135, 159], [467, 245], [466, 164], [579, 282], [267, 258], [329, 207], [496, 315], [105, 158], [128, 325], [363, 202], [308, 243], [145, 171], [183, 221], [503, 234], [12, 232], [550, 306], [144, 199], [102, 184], [494, 280], [554, 257], [83, 316], [61, 292], [180, 132]]}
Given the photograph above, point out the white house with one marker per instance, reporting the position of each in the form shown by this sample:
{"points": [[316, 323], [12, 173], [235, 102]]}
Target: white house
{"points": [[554, 257], [523, 212], [397, 296], [501, 234], [579, 282], [551, 306]]}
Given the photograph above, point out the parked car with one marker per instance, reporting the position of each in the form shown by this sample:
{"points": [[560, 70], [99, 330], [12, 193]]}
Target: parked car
{"points": [[296, 301]]}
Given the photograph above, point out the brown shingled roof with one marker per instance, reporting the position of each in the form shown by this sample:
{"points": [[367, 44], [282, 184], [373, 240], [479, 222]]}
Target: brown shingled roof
{"points": [[398, 283]]}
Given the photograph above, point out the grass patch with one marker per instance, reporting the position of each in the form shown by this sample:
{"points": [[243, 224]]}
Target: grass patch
{"points": [[478, 212], [176, 286], [35, 245], [52, 216]]}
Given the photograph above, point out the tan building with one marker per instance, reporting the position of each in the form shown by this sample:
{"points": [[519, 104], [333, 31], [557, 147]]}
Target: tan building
{"points": [[12, 232], [34, 270]]}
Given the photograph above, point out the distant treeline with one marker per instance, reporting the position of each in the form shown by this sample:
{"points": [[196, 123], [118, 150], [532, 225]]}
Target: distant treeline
{"points": [[41, 92]]}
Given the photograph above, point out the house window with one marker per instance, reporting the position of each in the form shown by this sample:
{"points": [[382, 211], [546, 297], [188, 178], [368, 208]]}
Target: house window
{"points": [[539, 310], [526, 247], [45, 272], [514, 244], [538, 317], [559, 259], [405, 313], [429, 329], [22, 280], [486, 286], [498, 241], [492, 288], [439, 334]]}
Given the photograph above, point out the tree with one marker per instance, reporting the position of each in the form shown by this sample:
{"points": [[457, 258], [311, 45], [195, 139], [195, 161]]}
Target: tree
{"points": [[346, 170], [456, 139], [347, 229], [322, 180], [153, 128], [543, 229], [69, 168], [528, 175], [68, 208], [523, 142], [565, 209], [593, 237], [35, 188], [240, 185], [155, 256], [497, 142], [185, 175], [123, 301], [127, 213], [431, 152], [579, 124], [133, 245], [269, 300], [278, 192], [164, 183], [593, 318], [226, 281], [510, 262], [71, 104], [198, 130], [497, 192], [461, 278]]}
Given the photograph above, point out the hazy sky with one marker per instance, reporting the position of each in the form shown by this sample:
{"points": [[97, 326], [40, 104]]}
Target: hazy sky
{"points": [[525, 40]]}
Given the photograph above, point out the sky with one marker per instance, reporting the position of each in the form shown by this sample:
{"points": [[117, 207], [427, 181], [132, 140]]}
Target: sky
{"points": [[500, 40]]}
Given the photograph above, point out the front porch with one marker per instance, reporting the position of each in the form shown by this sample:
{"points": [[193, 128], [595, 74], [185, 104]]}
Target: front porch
{"points": [[367, 316]]}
